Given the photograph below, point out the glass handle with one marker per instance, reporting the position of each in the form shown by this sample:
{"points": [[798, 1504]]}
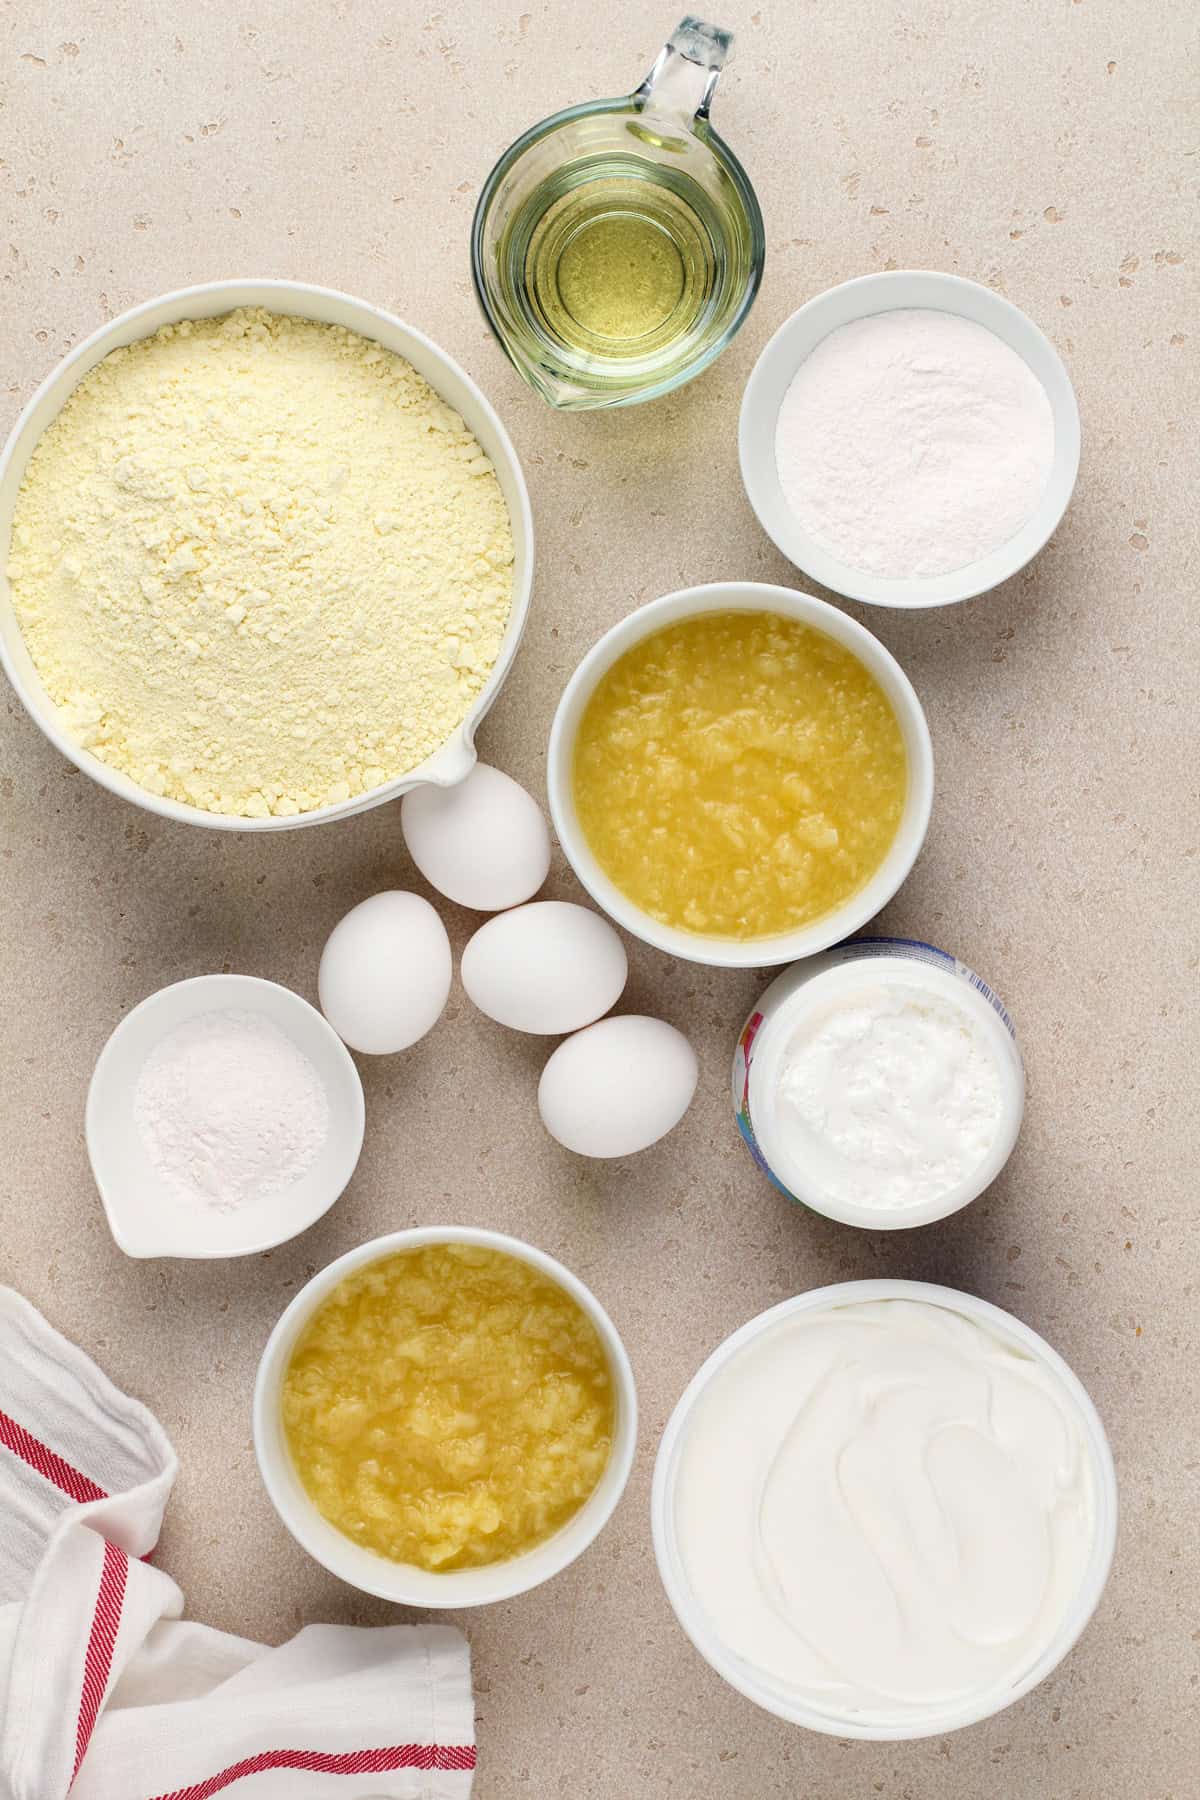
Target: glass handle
{"points": [[686, 70]]}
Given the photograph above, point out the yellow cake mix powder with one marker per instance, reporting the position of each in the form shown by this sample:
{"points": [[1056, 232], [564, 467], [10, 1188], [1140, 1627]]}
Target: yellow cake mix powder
{"points": [[259, 564]]}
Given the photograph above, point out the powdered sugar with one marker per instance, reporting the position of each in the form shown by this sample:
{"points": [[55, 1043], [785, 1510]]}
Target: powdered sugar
{"points": [[913, 442], [229, 1109]]}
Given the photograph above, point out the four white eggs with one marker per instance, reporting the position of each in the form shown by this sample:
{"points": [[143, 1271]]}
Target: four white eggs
{"points": [[550, 968]]}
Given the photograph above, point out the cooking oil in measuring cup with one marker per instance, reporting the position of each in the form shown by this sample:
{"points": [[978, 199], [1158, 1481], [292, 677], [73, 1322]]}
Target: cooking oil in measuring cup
{"points": [[612, 260], [618, 246]]}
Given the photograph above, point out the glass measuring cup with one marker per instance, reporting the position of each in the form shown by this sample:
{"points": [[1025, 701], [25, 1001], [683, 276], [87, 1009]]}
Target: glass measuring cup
{"points": [[617, 246]]}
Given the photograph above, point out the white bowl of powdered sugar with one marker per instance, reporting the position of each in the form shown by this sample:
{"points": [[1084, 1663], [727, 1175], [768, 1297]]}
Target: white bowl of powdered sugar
{"points": [[224, 1116], [909, 439]]}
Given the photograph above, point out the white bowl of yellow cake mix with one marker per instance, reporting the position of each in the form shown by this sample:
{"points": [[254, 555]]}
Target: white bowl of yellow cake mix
{"points": [[445, 1417], [266, 555], [884, 1509], [740, 774]]}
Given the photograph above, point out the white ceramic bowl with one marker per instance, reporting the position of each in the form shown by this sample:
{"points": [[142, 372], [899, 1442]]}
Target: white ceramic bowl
{"points": [[456, 757], [403, 1583], [757, 1686], [798, 336], [742, 596], [143, 1216]]}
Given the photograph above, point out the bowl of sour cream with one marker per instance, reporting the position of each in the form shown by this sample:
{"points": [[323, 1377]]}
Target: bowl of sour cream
{"points": [[884, 1510]]}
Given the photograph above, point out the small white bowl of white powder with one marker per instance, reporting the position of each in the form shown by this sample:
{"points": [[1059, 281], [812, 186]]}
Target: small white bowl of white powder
{"points": [[224, 1116], [909, 439]]}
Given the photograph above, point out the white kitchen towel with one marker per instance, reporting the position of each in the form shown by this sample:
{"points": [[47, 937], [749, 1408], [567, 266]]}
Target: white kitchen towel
{"points": [[109, 1695]]}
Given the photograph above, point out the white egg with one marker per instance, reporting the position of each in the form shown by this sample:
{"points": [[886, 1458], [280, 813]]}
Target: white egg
{"points": [[484, 843], [548, 968], [385, 973], [618, 1086]]}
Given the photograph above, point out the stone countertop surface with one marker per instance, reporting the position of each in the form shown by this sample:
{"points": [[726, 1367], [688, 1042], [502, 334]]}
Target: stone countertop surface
{"points": [[1050, 149]]}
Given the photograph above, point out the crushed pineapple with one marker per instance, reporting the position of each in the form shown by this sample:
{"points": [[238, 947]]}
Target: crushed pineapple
{"points": [[448, 1406], [739, 774]]}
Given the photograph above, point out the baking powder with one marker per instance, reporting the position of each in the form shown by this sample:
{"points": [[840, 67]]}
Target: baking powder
{"points": [[913, 442], [229, 1109]]}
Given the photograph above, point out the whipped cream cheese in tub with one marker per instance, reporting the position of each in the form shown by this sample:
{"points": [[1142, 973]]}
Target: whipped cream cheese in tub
{"points": [[884, 1509], [879, 1083]]}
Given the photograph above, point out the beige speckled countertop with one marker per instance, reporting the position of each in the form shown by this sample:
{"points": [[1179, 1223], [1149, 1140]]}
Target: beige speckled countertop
{"points": [[1048, 148]]}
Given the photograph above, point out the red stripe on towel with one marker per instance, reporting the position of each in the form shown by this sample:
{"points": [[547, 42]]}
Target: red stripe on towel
{"points": [[97, 1661], [322, 1762], [53, 1468]]}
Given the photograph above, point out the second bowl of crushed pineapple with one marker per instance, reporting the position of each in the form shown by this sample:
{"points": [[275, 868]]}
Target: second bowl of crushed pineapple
{"points": [[740, 774], [445, 1417]]}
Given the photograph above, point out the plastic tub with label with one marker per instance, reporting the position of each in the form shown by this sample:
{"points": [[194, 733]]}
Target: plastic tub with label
{"points": [[880, 1083]]}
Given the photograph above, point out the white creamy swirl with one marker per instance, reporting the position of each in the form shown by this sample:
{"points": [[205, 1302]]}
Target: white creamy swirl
{"points": [[885, 1507]]}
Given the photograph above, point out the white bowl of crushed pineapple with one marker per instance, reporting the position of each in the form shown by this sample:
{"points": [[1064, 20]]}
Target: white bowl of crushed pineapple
{"points": [[265, 556], [445, 1417], [740, 774]]}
